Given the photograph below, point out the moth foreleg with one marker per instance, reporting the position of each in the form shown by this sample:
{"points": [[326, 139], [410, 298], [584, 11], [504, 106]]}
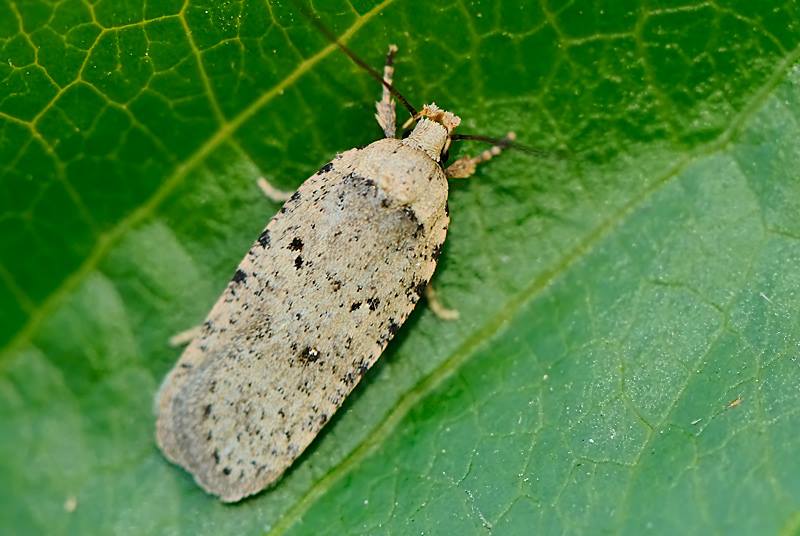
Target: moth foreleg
{"points": [[465, 166], [386, 113]]}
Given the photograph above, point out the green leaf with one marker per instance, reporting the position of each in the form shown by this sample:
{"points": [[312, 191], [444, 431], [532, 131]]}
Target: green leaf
{"points": [[627, 354]]}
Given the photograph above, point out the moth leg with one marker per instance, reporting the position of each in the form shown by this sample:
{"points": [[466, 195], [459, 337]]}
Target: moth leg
{"points": [[386, 114], [185, 337], [437, 308], [465, 166], [272, 193]]}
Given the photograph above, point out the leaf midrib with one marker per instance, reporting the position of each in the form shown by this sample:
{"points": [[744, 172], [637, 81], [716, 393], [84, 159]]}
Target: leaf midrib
{"points": [[494, 325]]}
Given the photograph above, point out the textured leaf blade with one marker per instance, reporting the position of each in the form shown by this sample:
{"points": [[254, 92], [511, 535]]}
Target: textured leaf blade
{"points": [[608, 301]]}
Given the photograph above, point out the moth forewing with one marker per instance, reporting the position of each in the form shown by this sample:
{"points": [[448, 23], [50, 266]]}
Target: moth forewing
{"points": [[310, 308]]}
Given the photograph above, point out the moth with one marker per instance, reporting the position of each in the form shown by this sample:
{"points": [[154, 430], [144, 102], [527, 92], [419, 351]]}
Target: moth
{"points": [[314, 302]]}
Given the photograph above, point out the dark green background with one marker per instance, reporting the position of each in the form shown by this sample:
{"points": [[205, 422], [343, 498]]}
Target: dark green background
{"points": [[613, 303]]}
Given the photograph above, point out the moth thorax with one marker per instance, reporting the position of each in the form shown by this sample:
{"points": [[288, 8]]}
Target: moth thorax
{"points": [[429, 136]]}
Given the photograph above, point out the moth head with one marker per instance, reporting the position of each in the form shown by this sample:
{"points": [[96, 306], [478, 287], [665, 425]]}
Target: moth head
{"points": [[447, 119], [439, 138]]}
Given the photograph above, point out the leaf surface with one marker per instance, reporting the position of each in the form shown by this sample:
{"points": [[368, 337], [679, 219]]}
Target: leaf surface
{"points": [[627, 353]]}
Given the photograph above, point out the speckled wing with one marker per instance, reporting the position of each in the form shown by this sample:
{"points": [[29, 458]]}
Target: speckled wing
{"points": [[310, 308]]}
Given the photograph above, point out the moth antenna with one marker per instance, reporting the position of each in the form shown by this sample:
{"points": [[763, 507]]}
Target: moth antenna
{"points": [[502, 142], [330, 36]]}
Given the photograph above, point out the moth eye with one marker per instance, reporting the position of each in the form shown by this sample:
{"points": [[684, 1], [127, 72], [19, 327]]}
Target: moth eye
{"points": [[406, 133]]}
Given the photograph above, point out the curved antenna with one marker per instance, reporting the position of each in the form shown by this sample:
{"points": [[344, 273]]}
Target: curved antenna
{"points": [[316, 21]]}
